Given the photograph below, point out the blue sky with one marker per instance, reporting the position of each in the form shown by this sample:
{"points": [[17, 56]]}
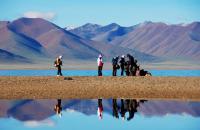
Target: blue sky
{"points": [[124, 12]]}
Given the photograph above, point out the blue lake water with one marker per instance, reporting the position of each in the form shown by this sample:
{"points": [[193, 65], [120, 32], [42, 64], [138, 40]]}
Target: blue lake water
{"points": [[82, 115], [93, 72]]}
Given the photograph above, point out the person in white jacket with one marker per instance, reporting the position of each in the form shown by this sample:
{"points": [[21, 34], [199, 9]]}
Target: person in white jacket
{"points": [[100, 65]]}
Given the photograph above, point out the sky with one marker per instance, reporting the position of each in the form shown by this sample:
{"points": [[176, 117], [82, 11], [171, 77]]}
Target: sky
{"points": [[124, 12]]}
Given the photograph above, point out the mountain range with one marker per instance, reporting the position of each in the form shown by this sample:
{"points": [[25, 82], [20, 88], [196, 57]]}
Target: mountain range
{"points": [[35, 40], [157, 39]]}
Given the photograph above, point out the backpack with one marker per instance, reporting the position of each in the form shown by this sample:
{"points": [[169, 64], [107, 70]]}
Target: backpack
{"points": [[114, 61]]}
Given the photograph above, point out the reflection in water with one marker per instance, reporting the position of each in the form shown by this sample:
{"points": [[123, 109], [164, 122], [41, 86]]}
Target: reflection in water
{"points": [[80, 114], [125, 109], [58, 108], [127, 105], [115, 108], [100, 109]]}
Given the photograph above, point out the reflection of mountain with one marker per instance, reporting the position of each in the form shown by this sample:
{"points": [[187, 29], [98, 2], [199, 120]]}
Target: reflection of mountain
{"points": [[41, 109], [161, 108]]}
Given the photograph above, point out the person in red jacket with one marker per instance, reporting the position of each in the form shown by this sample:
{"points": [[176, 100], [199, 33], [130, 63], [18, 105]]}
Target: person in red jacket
{"points": [[100, 65]]}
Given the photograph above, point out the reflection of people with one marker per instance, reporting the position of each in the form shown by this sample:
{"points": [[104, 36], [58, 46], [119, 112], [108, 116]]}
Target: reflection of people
{"points": [[58, 108], [132, 108], [100, 109], [115, 108], [100, 65], [122, 110], [58, 64]]}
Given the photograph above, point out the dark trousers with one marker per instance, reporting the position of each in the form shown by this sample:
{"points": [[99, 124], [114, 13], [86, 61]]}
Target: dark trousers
{"points": [[59, 71], [99, 70], [122, 70], [131, 70], [127, 73], [114, 73]]}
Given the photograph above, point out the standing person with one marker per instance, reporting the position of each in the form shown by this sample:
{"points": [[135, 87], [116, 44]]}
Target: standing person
{"points": [[58, 64], [131, 62], [100, 65], [100, 109], [115, 66], [135, 68], [127, 66], [122, 63]]}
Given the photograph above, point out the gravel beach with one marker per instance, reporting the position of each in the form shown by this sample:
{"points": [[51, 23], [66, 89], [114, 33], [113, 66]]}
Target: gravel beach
{"points": [[175, 88]]}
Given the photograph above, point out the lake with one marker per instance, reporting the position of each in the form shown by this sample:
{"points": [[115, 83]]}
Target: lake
{"points": [[93, 72]]}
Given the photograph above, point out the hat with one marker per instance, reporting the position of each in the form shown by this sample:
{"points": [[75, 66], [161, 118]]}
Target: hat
{"points": [[123, 56], [60, 57], [100, 55]]}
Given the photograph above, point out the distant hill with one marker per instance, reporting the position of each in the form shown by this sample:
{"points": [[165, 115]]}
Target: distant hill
{"points": [[101, 33], [158, 39], [7, 57]]}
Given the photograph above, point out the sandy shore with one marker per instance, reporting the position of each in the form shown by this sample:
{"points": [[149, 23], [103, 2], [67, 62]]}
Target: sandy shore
{"points": [[181, 88]]}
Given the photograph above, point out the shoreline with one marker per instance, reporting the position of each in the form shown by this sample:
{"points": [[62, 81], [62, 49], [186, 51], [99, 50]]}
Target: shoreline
{"points": [[94, 87], [92, 65]]}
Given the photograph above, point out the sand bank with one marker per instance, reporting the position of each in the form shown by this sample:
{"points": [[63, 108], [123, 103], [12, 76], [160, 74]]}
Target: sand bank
{"points": [[181, 88]]}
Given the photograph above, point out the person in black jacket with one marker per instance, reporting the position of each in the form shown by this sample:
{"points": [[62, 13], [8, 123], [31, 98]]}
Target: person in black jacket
{"points": [[122, 63], [131, 62], [115, 66]]}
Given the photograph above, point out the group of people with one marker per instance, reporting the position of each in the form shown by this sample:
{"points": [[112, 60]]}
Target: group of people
{"points": [[127, 64]]}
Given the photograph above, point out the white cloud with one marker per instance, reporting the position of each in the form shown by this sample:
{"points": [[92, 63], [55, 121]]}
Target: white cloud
{"points": [[48, 123], [44, 15], [70, 110]]}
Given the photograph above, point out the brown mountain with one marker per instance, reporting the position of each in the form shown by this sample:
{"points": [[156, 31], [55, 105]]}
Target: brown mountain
{"points": [[58, 41], [158, 39], [18, 45]]}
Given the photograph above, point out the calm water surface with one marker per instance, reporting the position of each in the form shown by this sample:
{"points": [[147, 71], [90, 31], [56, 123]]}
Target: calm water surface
{"points": [[116, 114]]}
